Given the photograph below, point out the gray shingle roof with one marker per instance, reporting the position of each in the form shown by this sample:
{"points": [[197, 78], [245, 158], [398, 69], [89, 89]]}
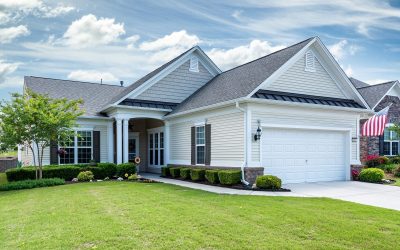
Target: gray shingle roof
{"points": [[372, 94], [357, 83], [239, 81], [94, 95]]}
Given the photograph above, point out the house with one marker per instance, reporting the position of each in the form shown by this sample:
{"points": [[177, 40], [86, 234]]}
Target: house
{"points": [[378, 97], [293, 113]]}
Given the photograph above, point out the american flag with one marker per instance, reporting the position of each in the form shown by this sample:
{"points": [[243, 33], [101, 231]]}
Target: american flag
{"points": [[375, 125]]}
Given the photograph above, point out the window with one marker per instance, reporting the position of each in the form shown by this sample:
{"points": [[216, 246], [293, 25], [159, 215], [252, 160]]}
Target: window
{"points": [[390, 142], [78, 149], [200, 144], [194, 64], [310, 61]]}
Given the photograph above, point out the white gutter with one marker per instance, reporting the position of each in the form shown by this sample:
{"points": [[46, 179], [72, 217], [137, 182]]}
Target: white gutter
{"points": [[245, 145]]}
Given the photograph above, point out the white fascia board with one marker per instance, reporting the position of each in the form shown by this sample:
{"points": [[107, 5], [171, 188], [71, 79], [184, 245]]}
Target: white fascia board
{"points": [[282, 69], [150, 82], [94, 117], [396, 84]]}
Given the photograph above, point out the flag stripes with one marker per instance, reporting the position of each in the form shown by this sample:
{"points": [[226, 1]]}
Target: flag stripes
{"points": [[375, 125]]}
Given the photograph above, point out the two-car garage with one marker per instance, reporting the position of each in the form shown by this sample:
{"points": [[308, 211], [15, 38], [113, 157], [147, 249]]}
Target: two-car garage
{"points": [[306, 154]]}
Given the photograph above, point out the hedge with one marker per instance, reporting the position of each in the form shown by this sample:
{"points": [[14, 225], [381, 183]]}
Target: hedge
{"points": [[165, 171], [197, 174], [28, 173], [108, 169], [175, 172], [212, 176], [268, 182], [371, 175], [185, 173], [229, 177], [28, 184], [126, 168], [396, 171]]}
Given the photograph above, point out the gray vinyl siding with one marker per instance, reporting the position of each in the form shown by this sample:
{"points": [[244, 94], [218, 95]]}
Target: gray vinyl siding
{"points": [[180, 141], [178, 85], [297, 80], [311, 118]]}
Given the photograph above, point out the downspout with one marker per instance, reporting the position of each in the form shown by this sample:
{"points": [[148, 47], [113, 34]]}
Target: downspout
{"points": [[245, 144]]}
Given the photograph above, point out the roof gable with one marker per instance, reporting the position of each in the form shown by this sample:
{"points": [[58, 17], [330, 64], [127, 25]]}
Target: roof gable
{"points": [[138, 87], [374, 94]]}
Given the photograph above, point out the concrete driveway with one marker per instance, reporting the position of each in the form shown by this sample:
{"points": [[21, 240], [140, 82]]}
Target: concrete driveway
{"points": [[364, 193]]}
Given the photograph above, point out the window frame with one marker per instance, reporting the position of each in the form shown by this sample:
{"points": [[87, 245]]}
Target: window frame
{"points": [[390, 141], [200, 144], [76, 147]]}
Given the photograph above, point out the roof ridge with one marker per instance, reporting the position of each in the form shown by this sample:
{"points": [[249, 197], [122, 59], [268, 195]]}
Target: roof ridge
{"points": [[378, 84], [101, 84], [269, 54]]}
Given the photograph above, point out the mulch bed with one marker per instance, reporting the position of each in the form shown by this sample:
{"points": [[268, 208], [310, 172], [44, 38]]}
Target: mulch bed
{"points": [[237, 186], [141, 180]]}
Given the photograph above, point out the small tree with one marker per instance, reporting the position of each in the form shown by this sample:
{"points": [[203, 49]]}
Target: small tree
{"points": [[35, 120]]}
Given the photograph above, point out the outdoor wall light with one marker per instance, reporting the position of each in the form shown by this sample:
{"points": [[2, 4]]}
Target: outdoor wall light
{"points": [[258, 133]]}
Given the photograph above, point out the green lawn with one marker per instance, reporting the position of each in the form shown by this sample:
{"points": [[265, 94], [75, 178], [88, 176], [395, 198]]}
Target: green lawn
{"points": [[115, 215], [3, 178], [8, 153], [397, 182]]}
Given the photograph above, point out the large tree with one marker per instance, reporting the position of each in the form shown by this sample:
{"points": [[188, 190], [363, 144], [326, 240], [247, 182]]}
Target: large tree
{"points": [[35, 120]]}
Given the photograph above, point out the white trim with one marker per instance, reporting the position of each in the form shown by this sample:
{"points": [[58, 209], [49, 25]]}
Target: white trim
{"points": [[309, 68], [306, 127], [125, 136], [110, 141], [152, 132], [212, 68], [76, 147], [200, 145], [248, 136], [387, 92]]}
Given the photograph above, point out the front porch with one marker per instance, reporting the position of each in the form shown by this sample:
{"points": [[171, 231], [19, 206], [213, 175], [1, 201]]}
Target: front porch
{"points": [[145, 138]]}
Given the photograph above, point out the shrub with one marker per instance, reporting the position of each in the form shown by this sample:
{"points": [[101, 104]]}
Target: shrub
{"points": [[371, 175], [212, 176], [28, 173], [185, 173], [175, 172], [126, 168], [133, 177], [355, 174], [85, 176], [27, 184], [396, 171], [197, 174], [375, 160], [395, 160], [109, 169], [268, 182], [388, 168], [229, 177], [165, 171]]}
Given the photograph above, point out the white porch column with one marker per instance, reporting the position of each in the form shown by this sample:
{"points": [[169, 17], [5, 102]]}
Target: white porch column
{"points": [[110, 141], [126, 138], [119, 140], [166, 142]]}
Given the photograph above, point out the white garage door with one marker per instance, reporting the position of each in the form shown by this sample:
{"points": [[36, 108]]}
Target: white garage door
{"points": [[298, 155]]}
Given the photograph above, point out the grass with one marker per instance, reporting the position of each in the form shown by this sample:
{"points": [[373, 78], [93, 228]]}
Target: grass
{"points": [[3, 178], [397, 183], [123, 215], [8, 153]]}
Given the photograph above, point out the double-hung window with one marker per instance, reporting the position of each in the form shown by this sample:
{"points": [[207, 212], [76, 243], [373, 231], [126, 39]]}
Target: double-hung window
{"points": [[390, 142], [78, 149], [200, 144]]}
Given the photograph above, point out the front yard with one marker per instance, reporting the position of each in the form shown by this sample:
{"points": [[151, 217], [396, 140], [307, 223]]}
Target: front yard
{"points": [[122, 215], [3, 178]]}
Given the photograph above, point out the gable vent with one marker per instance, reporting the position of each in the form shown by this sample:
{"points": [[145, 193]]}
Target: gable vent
{"points": [[310, 61], [194, 64]]}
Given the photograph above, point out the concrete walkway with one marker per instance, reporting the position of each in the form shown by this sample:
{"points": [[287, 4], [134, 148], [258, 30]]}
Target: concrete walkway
{"points": [[364, 193]]}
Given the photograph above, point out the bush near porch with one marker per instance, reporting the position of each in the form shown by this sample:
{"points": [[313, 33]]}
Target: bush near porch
{"points": [[68, 172], [389, 165]]}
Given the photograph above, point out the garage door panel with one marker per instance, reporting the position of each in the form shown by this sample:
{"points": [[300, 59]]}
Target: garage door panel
{"points": [[304, 155]]}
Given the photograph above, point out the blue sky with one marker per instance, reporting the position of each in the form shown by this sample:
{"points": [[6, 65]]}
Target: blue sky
{"points": [[123, 40]]}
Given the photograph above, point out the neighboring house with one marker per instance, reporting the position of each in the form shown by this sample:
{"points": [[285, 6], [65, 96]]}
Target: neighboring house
{"points": [[378, 97], [188, 112]]}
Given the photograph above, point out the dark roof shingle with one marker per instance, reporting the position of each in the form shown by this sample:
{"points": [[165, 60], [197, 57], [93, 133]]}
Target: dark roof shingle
{"points": [[372, 94]]}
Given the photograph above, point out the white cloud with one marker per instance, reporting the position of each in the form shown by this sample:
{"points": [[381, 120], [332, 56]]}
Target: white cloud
{"points": [[349, 70], [232, 57], [90, 31], [16, 9], [9, 34], [342, 48], [132, 41], [237, 13], [92, 76], [6, 68], [175, 39]]}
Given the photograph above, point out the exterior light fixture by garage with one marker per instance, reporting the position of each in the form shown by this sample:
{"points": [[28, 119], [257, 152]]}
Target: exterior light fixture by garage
{"points": [[258, 133]]}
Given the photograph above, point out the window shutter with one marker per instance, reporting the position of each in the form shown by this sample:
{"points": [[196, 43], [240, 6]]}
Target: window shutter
{"points": [[193, 145], [53, 153], [381, 140], [208, 144], [96, 146]]}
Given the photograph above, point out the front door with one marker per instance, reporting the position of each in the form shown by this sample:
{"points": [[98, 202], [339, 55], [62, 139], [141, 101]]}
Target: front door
{"points": [[133, 146], [156, 147]]}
